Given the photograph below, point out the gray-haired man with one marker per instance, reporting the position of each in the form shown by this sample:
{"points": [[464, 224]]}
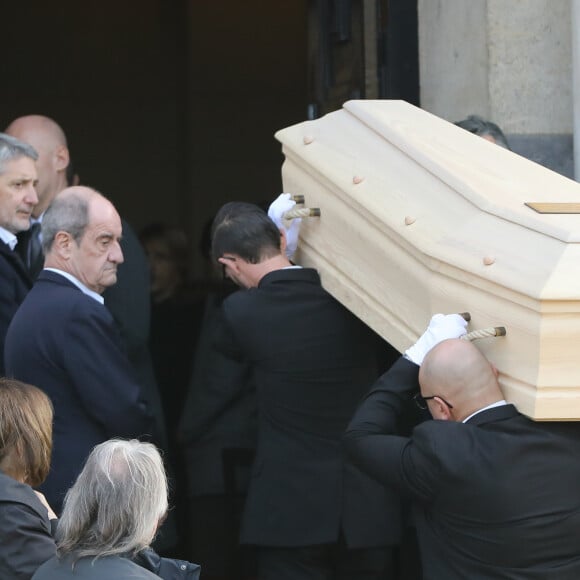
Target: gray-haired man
{"points": [[17, 199]]}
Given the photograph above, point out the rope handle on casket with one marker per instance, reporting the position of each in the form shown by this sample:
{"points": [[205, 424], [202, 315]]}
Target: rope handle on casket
{"points": [[300, 212], [482, 332]]}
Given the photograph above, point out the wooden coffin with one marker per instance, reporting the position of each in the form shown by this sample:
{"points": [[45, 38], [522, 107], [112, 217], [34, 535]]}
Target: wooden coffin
{"points": [[419, 216]]}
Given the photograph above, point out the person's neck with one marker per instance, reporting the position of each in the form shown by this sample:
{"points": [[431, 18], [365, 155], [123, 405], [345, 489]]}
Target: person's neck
{"points": [[41, 207], [269, 265], [478, 405]]}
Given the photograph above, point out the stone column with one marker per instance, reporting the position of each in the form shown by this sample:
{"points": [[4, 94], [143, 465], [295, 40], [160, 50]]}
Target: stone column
{"points": [[510, 62]]}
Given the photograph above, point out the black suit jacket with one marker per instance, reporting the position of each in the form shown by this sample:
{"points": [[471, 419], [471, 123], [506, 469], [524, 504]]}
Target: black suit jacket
{"points": [[129, 302], [208, 427], [67, 344], [22, 250], [312, 361], [496, 497], [14, 286]]}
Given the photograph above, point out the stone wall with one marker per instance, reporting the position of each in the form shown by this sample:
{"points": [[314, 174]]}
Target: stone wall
{"points": [[508, 61]]}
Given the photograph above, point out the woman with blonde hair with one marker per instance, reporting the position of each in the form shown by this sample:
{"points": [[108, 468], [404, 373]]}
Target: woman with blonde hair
{"points": [[26, 521]]}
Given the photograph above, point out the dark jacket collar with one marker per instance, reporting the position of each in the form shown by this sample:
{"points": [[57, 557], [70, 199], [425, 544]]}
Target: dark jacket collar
{"points": [[495, 414], [295, 274], [14, 259], [47, 275]]}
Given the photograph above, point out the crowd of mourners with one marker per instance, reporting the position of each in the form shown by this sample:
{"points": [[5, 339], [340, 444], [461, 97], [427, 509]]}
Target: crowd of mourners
{"points": [[251, 423]]}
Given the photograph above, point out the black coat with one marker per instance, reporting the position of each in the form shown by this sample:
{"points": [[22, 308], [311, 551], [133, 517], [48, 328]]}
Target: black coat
{"points": [[496, 497], [103, 568], [25, 531], [129, 302], [15, 284], [147, 565], [66, 343], [208, 427], [312, 361]]}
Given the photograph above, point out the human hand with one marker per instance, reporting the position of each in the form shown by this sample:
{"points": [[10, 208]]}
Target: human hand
{"points": [[441, 327], [291, 228], [43, 500]]}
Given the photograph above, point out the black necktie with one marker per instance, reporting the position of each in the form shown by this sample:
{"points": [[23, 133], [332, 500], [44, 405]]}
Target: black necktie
{"points": [[34, 246]]}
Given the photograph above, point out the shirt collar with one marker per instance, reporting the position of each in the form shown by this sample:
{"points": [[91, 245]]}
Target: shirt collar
{"points": [[8, 238], [79, 285], [496, 404]]}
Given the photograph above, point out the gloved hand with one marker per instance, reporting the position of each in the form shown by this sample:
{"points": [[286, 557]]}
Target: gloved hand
{"points": [[441, 327], [276, 211]]}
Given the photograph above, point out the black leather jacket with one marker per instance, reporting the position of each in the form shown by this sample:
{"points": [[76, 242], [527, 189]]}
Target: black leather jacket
{"points": [[167, 568]]}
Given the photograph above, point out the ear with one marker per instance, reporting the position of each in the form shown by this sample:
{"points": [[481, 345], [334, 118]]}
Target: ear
{"points": [[442, 411], [283, 241], [62, 244], [231, 264], [61, 158]]}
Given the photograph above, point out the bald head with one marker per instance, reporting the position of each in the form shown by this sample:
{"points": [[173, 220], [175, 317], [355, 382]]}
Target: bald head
{"points": [[49, 140], [456, 371]]}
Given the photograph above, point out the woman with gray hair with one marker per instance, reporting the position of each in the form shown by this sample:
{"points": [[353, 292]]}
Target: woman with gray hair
{"points": [[110, 517]]}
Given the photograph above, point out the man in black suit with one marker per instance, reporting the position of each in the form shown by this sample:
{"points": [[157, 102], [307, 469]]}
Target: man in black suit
{"points": [[310, 512], [65, 341], [128, 300], [17, 199], [49, 141], [496, 495]]}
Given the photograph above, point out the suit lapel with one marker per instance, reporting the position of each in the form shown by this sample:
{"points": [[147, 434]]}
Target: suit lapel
{"points": [[16, 262]]}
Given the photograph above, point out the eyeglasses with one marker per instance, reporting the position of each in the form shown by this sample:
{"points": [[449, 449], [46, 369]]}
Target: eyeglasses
{"points": [[421, 401]]}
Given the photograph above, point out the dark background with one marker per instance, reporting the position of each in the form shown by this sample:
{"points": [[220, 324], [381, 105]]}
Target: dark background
{"points": [[170, 106]]}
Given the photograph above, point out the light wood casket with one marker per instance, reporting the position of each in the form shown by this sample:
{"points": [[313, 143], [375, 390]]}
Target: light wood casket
{"points": [[419, 216]]}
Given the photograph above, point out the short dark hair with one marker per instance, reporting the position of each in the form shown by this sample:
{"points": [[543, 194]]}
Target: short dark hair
{"points": [[479, 126], [246, 230]]}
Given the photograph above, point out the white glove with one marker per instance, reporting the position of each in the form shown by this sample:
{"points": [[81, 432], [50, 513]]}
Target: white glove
{"points": [[441, 327], [276, 211]]}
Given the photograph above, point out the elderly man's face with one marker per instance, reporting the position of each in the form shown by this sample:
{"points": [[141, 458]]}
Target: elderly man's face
{"points": [[17, 194], [94, 260]]}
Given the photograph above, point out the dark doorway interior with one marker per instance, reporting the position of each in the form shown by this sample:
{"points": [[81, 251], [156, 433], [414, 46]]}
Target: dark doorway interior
{"points": [[170, 106]]}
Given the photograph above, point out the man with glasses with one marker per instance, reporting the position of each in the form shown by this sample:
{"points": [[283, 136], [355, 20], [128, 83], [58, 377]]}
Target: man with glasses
{"points": [[496, 495]]}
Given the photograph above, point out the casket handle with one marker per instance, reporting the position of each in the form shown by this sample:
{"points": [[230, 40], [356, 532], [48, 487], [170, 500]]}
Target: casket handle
{"points": [[485, 333], [301, 212]]}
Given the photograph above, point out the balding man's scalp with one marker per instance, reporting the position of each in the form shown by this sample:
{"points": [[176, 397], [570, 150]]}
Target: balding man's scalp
{"points": [[33, 127], [49, 140], [456, 370]]}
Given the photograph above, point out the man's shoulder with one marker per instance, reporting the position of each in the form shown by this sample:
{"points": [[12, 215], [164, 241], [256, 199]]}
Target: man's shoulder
{"points": [[494, 429], [90, 568], [53, 286], [56, 297], [291, 275], [277, 285]]}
